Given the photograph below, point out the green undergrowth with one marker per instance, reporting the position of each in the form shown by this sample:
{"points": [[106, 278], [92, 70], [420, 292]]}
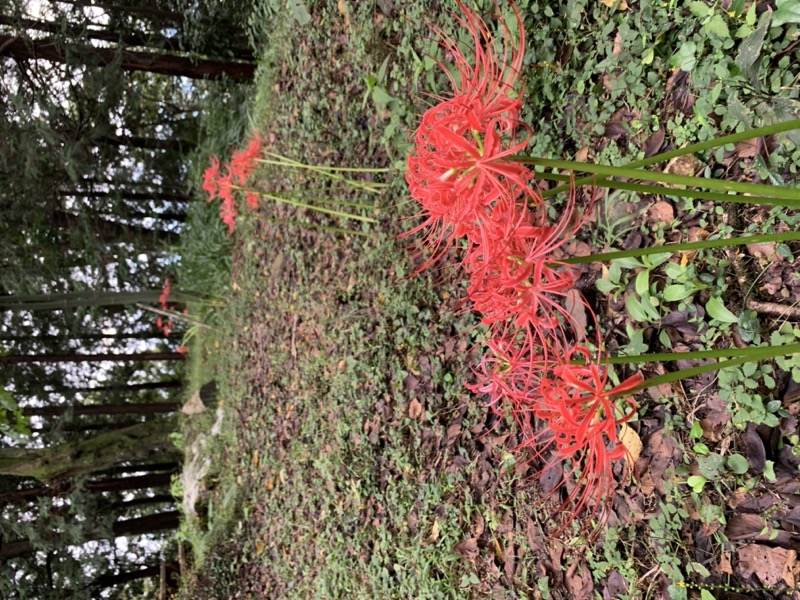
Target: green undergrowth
{"points": [[352, 462]]}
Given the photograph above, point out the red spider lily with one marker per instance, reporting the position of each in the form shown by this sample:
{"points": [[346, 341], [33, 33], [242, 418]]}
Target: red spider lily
{"points": [[211, 179], [459, 170], [471, 192], [223, 187], [162, 299], [516, 284], [164, 326], [228, 214], [252, 198], [244, 161], [582, 417], [510, 372]]}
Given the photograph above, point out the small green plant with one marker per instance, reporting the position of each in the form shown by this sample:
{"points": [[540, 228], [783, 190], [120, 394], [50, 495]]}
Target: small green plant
{"points": [[741, 386], [13, 423], [615, 555]]}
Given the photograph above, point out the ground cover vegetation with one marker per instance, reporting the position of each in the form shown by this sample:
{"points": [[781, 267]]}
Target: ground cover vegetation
{"points": [[356, 452]]}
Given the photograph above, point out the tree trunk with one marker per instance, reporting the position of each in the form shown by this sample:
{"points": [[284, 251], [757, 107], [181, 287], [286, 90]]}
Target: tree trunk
{"points": [[81, 457], [164, 64], [137, 335], [150, 524], [108, 580], [148, 40], [129, 527], [31, 302], [142, 11], [133, 387], [78, 358], [157, 499], [112, 232], [127, 195], [169, 145], [172, 467], [144, 408], [110, 484]]}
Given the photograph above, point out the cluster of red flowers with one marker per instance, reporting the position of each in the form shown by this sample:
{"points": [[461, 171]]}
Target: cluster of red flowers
{"points": [[479, 203], [163, 301], [167, 325], [224, 186]]}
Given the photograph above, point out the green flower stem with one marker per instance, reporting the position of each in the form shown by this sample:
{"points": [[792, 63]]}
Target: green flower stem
{"points": [[707, 145], [790, 196], [367, 186], [670, 192], [340, 202], [754, 352], [320, 209], [768, 353], [278, 157], [790, 236]]}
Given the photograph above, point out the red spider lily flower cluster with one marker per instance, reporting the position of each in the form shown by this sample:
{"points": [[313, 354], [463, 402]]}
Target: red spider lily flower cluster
{"points": [[473, 197], [224, 186], [163, 300]]}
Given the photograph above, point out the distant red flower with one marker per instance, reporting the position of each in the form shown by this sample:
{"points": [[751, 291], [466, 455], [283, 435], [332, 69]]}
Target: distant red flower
{"points": [[182, 349], [165, 293], [228, 214], [244, 161], [252, 198], [211, 179]]}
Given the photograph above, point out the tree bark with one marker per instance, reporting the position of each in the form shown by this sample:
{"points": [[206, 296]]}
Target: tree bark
{"points": [[31, 302], [78, 358], [142, 11], [164, 64], [128, 195], [143, 408], [108, 580], [112, 232], [145, 143], [147, 500], [133, 387], [147, 440], [163, 521], [149, 40]]}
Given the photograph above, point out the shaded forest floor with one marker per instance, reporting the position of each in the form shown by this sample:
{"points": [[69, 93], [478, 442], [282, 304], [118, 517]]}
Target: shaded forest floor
{"points": [[353, 463]]}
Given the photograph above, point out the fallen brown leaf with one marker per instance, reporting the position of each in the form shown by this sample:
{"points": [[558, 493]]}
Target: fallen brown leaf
{"points": [[630, 439], [744, 526], [653, 143], [763, 250], [434, 532], [716, 418], [754, 449], [468, 549], [574, 304], [415, 409], [770, 565], [746, 149], [578, 581], [662, 212], [656, 459]]}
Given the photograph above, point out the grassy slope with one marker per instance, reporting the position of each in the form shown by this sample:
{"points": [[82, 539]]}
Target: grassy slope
{"points": [[353, 463]]}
